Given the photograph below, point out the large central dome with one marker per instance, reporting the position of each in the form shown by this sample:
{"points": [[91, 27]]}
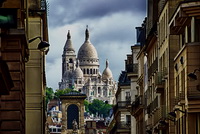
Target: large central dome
{"points": [[87, 50]]}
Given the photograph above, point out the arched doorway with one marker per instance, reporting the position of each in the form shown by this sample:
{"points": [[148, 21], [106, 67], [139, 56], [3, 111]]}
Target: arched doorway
{"points": [[72, 113]]}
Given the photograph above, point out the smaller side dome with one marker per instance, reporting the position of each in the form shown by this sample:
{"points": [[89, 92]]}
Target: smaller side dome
{"points": [[107, 74], [78, 73]]}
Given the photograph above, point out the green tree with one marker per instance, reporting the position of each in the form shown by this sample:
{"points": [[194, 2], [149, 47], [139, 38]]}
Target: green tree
{"points": [[86, 104], [59, 92], [49, 94], [100, 107]]}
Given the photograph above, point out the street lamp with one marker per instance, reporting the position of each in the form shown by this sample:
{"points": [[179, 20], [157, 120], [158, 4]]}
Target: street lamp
{"points": [[43, 45], [193, 76], [173, 114]]}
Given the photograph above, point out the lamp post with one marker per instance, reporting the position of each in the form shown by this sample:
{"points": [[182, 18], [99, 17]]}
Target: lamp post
{"points": [[193, 76], [43, 45]]}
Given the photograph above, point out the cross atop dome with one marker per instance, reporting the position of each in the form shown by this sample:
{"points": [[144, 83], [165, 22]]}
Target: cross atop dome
{"points": [[86, 33], [68, 35]]}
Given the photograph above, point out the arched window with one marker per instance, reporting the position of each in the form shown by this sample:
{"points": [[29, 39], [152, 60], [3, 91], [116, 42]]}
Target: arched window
{"points": [[70, 61], [94, 71], [88, 71], [72, 113], [99, 90], [84, 71]]}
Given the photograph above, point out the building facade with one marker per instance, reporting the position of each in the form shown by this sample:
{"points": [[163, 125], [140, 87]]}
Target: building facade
{"points": [[82, 73], [22, 66], [35, 79], [168, 93], [169, 55]]}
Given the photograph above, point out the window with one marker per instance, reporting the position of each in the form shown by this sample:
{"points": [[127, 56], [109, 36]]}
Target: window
{"points": [[84, 71], [128, 119], [90, 71], [54, 129], [70, 61]]}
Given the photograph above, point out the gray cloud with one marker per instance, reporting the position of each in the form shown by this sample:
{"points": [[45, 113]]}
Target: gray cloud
{"points": [[62, 11]]}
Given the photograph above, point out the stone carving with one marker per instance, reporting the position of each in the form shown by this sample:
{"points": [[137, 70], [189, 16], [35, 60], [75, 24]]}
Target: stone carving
{"points": [[75, 125]]}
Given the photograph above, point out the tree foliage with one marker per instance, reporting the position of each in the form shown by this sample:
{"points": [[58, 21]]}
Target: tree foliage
{"points": [[49, 94], [86, 104], [59, 92], [98, 107]]}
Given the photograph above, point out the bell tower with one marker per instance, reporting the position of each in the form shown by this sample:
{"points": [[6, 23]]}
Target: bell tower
{"points": [[68, 64]]}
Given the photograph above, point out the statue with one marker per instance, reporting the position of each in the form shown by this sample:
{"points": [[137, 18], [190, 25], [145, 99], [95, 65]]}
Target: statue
{"points": [[75, 125]]}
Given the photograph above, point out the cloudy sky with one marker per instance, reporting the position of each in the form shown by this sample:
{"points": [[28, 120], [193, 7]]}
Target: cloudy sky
{"points": [[111, 25]]}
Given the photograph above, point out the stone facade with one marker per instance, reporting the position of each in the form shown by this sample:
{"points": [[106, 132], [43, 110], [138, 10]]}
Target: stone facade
{"points": [[72, 109]]}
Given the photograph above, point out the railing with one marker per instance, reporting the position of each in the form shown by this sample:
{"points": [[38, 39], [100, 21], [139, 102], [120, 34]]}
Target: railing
{"points": [[120, 105], [132, 68], [154, 66], [160, 114], [124, 125], [128, 98], [137, 103], [38, 5], [159, 80], [179, 97], [152, 106]]}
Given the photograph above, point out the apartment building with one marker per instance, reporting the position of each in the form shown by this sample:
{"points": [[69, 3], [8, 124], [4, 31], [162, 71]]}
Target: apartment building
{"points": [[35, 81], [167, 91], [185, 25], [22, 74]]}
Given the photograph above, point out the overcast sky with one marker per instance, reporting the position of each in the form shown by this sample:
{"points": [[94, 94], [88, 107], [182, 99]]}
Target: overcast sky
{"points": [[111, 25]]}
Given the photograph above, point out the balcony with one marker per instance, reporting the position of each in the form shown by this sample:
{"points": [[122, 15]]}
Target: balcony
{"points": [[128, 102], [126, 125], [153, 67], [180, 98], [132, 69], [137, 105], [186, 10], [153, 106], [121, 105], [160, 114], [159, 80]]}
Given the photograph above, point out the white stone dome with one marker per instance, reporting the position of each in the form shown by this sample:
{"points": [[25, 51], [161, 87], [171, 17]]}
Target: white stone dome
{"points": [[107, 74], [87, 50], [78, 73]]}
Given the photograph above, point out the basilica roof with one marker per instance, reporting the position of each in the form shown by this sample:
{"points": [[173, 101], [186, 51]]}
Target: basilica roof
{"points": [[87, 50], [78, 73], [107, 74], [68, 45]]}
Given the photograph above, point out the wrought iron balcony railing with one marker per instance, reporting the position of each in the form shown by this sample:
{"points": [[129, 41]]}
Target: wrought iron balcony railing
{"points": [[137, 104], [160, 114], [132, 68], [180, 97], [152, 107], [124, 125], [153, 67], [120, 105]]}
